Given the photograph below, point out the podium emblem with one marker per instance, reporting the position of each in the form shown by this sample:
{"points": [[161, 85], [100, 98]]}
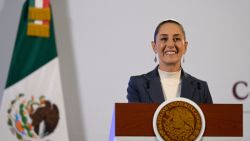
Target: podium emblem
{"points": [[179, 119]]}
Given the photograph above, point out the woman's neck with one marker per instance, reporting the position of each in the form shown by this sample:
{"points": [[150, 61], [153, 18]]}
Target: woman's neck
{"points": [[170, 67]]}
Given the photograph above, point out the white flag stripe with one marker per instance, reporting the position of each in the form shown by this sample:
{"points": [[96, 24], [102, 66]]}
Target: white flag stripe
{"points": [[38, 4], [44, 81]]}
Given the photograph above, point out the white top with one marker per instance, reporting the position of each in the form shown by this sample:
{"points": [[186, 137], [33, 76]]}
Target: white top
{"points": [[170, 83]]}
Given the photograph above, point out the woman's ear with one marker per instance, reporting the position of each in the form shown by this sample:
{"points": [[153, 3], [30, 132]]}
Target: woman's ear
{"points": [[186, 46], [153, 45]]}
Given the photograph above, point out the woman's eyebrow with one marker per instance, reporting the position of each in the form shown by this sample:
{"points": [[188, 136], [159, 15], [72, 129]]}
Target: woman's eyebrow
{"points": [[164, 35], [175, 35]]}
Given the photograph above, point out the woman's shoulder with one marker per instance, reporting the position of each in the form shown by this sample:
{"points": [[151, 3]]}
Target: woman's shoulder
{"points": [[193, 79], [149, 75]]}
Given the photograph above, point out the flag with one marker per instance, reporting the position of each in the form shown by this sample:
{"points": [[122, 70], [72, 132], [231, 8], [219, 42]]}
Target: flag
{"points": [[32, 106]]}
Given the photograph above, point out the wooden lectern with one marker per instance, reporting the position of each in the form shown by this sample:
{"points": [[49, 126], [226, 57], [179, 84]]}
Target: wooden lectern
{"points": [[133, 122]]}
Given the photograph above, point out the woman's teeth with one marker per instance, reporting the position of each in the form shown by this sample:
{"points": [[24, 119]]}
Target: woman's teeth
{"points": [[170, 52]]}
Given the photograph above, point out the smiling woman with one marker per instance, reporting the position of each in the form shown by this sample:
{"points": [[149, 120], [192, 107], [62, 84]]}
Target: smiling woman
{"points": [[168, 80], [170, 44]]}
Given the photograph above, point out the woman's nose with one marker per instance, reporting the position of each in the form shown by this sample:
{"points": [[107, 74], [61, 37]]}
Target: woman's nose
{"points": [[170, 43]]}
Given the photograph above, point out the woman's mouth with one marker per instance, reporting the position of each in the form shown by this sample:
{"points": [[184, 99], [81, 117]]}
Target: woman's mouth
{"points": [[170, 52]]}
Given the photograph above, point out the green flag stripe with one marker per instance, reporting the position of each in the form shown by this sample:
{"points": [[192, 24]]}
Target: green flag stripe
{"points": [[32, 3], [30, 53]]}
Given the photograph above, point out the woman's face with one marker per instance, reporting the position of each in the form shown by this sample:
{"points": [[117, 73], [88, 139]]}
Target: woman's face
{"points": [[170, 45]]}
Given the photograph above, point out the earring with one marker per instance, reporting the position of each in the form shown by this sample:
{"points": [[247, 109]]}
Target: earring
{"points": [[183, 60], [155, 58]]}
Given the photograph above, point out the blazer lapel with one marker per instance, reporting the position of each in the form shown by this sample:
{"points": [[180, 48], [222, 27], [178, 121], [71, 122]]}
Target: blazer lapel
{"points": [[154, 86], [187, 88], [155, 90]]}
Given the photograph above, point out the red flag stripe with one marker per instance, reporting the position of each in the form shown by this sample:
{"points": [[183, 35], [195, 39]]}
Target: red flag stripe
{"points": [[46, 5]]}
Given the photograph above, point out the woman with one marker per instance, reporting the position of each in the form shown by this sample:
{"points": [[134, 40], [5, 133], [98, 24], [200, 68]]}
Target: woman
{"points": [[168, 79]]}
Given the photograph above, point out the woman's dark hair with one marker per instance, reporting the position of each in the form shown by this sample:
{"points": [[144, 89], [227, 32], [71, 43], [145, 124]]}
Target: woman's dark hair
{"points": [[168, 21]]}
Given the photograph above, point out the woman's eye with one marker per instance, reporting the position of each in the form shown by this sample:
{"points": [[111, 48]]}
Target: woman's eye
{"points": [[164, 39], [177, 39]]}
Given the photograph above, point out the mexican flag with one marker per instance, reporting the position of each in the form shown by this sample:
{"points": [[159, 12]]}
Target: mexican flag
{"points": [[32, 105]]}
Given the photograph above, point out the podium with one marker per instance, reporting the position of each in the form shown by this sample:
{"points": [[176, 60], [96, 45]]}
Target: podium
{"points": [[133, 122]]}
